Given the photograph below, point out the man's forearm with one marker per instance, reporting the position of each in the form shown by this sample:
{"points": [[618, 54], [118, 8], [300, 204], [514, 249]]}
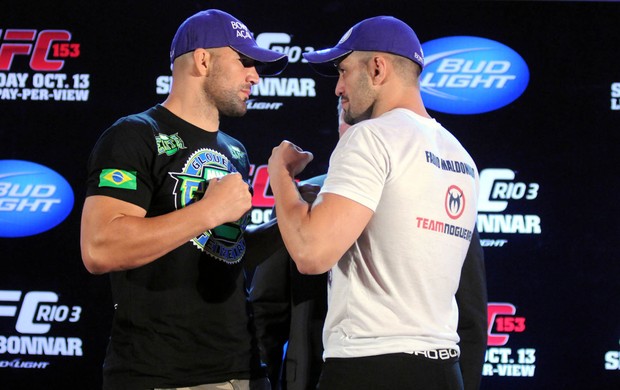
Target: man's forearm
{"points": [[292, 212]]}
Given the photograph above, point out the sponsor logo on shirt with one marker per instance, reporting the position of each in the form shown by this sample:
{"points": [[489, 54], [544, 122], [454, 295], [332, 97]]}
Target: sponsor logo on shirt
{"points": [[455, 202], [454, 207], [236, 152], [225, 242], [450, 165], [169, 144]]}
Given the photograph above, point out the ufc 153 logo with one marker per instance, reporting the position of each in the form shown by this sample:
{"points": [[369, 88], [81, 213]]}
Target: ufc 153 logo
{"points": [[501, 360], [47, 49], [262, 199], [502, 322]]}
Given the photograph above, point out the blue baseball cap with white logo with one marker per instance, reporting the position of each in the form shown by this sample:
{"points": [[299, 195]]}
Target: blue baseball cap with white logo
{"points": [[214, 28], [380, 33]]}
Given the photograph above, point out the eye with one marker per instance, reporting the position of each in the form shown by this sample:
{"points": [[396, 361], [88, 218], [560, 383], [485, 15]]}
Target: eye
{"points": [[247, 62], [339, 67]]}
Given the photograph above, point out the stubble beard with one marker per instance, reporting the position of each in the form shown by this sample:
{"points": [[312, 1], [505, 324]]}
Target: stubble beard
{"points": [[362, 105], [225, 98], [232, 106]]}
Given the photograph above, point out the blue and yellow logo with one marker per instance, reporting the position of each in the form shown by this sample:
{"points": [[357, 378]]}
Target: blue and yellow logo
{"points": [[117, 178], [225, 242]]}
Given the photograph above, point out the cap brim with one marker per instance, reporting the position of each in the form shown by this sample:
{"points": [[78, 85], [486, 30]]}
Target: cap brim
{"points": [[269, 62], [324, 61]]}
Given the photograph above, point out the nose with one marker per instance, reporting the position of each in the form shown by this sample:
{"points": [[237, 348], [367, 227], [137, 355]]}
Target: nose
{"points": [[252, 76], [339, 87]]}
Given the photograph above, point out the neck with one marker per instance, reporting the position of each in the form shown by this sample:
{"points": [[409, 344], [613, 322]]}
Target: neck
{"points": [[196, 112], [408, 99]]}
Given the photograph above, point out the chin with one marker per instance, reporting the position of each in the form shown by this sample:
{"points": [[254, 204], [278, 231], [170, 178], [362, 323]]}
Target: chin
{"points": [[234, 114]]}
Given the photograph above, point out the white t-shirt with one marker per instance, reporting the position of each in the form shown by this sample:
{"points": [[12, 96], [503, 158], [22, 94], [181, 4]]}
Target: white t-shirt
{"points": [[393, 290]]}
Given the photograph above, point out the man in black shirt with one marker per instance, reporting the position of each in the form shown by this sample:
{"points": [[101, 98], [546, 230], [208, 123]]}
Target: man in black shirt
{"points": [[166, 214]]}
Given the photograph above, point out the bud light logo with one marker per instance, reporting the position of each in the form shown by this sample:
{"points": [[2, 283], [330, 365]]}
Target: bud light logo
{"points": [[33, 198], [471, 75]]}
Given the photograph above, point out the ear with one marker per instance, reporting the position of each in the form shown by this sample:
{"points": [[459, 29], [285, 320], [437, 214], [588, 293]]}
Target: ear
{"points": [[378, 68], [201, 61]]}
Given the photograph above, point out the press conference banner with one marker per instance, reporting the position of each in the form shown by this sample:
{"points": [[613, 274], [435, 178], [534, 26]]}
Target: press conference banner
{"points": [[531, 89]]}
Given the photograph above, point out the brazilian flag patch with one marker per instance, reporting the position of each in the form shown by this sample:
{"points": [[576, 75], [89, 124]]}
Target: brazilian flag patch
{"points": [[117, 178]]}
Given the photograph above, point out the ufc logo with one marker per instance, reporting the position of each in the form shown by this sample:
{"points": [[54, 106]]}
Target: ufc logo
{"points": [[37, 311], [260, 184], [495, 315], [22, 42]]}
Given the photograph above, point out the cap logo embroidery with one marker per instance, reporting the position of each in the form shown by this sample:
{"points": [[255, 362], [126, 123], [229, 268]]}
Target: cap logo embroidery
{"points": [[418, 57], [241, 30], [214, 28], [345, 36]]}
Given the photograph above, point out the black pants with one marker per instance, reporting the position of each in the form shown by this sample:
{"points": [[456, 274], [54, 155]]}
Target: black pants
{"points": [[393, 371]]}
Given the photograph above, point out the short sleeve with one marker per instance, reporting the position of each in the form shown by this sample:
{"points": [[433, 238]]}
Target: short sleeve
{"points": [[358, 167], [119, 165]]}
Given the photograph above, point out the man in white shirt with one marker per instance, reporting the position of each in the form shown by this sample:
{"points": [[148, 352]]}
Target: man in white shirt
{"points": [[392, 222]]}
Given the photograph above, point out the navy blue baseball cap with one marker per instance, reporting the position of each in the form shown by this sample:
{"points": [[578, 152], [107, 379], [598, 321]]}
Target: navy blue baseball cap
{"points": [[214, 28], [380, 33]]}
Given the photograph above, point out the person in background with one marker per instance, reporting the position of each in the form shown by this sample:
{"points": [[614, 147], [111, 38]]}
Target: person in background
{"points": [[166, 214], [289, 311], [392, 223], [472, 300]]}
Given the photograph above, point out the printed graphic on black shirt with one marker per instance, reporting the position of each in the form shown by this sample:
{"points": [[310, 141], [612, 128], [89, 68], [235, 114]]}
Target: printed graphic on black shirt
{"points": [[169, 144], [225, 242]]}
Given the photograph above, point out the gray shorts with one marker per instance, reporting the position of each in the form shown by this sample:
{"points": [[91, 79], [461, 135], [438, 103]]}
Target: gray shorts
{"points": [[233, 384]]}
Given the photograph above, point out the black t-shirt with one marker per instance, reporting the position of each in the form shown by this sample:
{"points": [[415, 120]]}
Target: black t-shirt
{"points": [[182, 319]]}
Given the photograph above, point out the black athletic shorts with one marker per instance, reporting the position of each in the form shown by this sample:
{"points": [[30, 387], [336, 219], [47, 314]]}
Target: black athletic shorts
{"points": [[391, 372]]}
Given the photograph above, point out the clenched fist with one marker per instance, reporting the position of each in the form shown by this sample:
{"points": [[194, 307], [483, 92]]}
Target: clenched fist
{"points": [[229, 198], [288, 157]]}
